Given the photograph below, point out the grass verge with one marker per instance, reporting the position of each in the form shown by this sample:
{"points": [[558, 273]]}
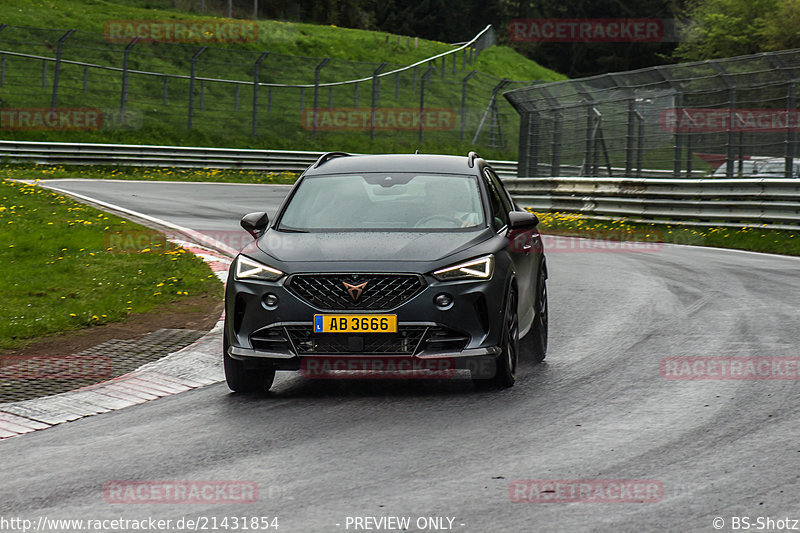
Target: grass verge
{"points": [[58, 272], [744, 238], [211, 175], [157, 109]]}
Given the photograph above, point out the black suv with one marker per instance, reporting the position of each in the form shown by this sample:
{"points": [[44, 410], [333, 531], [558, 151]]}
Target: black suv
{"points": [[410, 263]]}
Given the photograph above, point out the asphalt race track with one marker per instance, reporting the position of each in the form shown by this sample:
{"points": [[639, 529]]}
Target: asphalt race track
{"points": [[323, 452]]}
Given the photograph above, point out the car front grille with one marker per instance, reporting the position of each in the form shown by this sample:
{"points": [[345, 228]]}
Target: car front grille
{"points": [[404, 342], [351, 292], [300, 339]]}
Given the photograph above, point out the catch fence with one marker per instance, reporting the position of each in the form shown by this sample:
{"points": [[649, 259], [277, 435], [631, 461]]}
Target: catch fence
{"points": [[737, 117], [234, 92]]}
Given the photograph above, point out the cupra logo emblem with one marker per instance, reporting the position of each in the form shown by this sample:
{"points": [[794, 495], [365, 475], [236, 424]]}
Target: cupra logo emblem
{"points": [[355, 290]]}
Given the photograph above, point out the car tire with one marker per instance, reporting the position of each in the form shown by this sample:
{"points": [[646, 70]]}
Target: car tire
{"points": [[242, 379], [506, 363], [533, 346]]}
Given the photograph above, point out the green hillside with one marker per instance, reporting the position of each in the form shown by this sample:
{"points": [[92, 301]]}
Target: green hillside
{"points": [[157, 106]]}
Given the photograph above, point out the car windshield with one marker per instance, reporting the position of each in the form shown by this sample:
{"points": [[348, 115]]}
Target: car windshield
{"points": [[384, 201]]}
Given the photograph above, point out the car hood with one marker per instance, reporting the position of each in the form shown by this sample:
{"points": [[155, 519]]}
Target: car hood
{"points": [[368, 246]]}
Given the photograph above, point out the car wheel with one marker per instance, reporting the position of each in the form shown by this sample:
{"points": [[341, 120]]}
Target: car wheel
{"points": [[534, 345], [242, 379], [506, 364]]}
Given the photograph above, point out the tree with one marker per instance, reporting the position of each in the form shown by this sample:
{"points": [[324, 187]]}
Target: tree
{"points": [[724, 28], [577, 59], [780, 28]]}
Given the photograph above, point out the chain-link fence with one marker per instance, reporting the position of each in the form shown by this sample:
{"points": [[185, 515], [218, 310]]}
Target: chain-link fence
{"points": [[229, 92], [732, 117]]}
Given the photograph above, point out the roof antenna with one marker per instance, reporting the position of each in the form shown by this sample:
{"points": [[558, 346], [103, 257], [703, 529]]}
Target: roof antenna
{"points": [[416, 152]]}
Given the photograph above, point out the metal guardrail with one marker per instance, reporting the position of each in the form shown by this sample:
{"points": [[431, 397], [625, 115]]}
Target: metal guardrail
{"points": [[53, 153], [720, 202], [763, 202]]}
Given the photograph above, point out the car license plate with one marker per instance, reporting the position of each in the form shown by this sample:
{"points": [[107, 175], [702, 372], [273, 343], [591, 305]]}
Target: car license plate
{"points": [[355, 323]]}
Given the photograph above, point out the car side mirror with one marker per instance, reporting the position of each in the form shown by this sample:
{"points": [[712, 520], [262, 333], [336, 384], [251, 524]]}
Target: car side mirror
{"points": [[255, 223], [522, 220]]}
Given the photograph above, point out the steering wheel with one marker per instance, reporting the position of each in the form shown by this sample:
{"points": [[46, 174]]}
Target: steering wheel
{"points": [[446, 218]]}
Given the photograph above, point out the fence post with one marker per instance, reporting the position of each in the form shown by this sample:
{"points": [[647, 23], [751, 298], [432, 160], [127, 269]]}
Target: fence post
{"points": [[629, 135], [3, 62], [316, 91], [58, 68], [464, 101], [731, 142], [425, 78], [689, 153], [202, 95], [376, 94], [595, 151], [444, 66], [676, 158], [555, 140], [587, 156], [639, 144], [533, 132], [555, 164], [124, 96], [790, 134], [85, 79], [166, 79], [191, 83], [524, 158], [44, 74], [492, 113], [254, 119]]}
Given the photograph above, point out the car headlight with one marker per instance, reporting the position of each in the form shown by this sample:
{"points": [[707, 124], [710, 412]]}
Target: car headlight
{"points": [[247, 268], [480, 268]]}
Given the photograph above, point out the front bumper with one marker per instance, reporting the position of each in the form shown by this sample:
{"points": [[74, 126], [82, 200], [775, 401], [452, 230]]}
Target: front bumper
{"points": [[466, 333], [479, 361]]}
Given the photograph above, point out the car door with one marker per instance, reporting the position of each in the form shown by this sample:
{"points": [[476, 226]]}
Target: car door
{"points": [[523, 246]]}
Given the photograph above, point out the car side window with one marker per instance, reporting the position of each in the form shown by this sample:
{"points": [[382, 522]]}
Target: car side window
{"points": [[497, 203], [507, 201]]}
